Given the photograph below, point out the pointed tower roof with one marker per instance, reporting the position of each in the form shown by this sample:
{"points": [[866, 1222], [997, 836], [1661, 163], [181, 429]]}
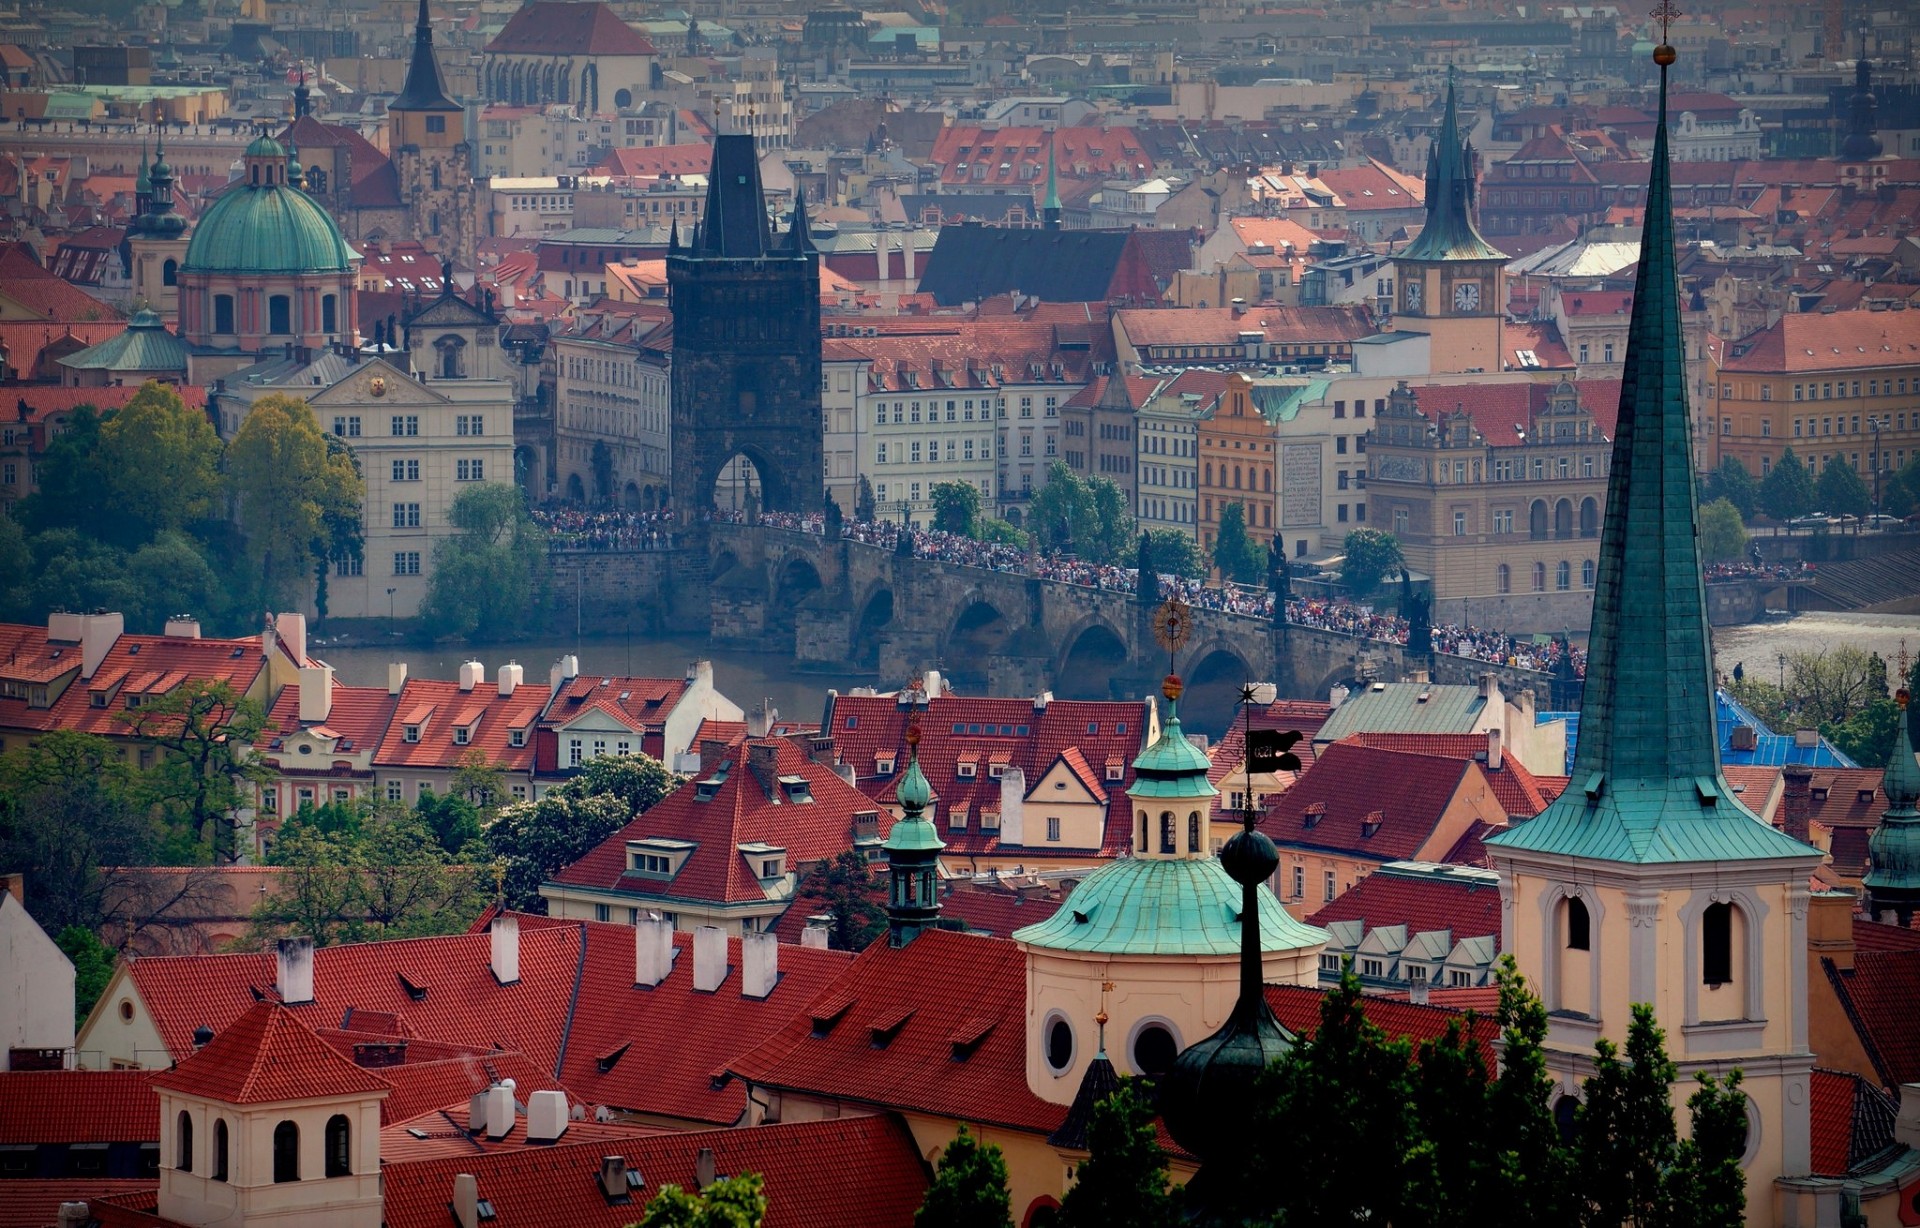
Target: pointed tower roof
{"points": [[425, 88], [1646, 784], [1862, 142], [1050, 209], [913, 833], [1893, 882], [800, 230], [734, 224], [266, 1056], [1449, 232], [141, 184]]}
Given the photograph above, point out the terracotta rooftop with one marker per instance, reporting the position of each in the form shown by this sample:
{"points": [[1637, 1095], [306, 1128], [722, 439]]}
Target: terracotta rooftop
{"points": [[1878, 994], [1817, 342], [568, 27], [1333, 804], [265, 1056], [1422, 900], [1517, 788], [77, 1106]]}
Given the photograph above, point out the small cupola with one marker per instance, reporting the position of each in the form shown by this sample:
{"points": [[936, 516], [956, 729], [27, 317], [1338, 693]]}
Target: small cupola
{"points": [[1171, 793], [913, 853], [264, 164]]}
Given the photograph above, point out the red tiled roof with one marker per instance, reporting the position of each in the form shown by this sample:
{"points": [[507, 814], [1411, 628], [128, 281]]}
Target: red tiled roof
{"points": [[422, 1082], [1516, 787], [265, 1056], [1471, 848], [359, 715], [25, 339], [439, 706], [35, 1203], [949, 982], [1298, 1009], [135, 665], [1813, 342], [1157, 326], [38, 291], [1497, 409], [1016, 157], [654, 161], [743, 810], [1837, 799], [1348, 783], [447, 1136], [869, 728], [1875, 936], [77, 1106], [1467, 907], [996, 911], [568, 27], [1878, 994], [1852, 1122]]}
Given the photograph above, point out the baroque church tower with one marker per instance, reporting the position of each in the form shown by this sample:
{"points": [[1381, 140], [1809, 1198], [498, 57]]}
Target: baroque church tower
{"points": [[1451, 281], [426, 138], [1649, 880], [157, 241]]}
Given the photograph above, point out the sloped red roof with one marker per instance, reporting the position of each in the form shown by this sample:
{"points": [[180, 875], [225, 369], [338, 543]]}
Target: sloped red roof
{"points": [[1497, 409], [1875, 936], [421, 1084], [265, 1056], [442, 1133], [950, 984], [1878, 994], [359, 714], [1852, 1122], [568, 27], [135, 665], [77, 1106], [1298, 1009], [35, 1203], [997, 911], [439, 707], [1516, 787], [638, 703], [1468, 907], [655, 161], [23, 280], [1348, 783]]}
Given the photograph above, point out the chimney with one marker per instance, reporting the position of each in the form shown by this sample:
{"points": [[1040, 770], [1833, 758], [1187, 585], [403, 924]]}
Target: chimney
{"points": [[1041, 701], [1494, 756], [506, 948], [316, 693], [1830, 927], [703, 1168], [564, 670], [1486, 685], [500, 1109], [466, 1201], [1796, 805], [1417, 992], [546, 1116], [396, 676], [763, 760], [700, 673], [74, 1215], [760, 718], [95, 633], [477, 1112], [759, 964], [292, 629], [1239, 307], [931, 682], [472, 673], [511, 676], [815, 935], [183, 627], [1013, 797], [294, 970], [15, 885], [906, 252], [613, 1177], [652, 951], [712, 751], [709, 957]]}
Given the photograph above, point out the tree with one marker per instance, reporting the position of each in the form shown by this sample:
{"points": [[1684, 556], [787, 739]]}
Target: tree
{"points": [[16, 572], [389, 880], [1626, 1131], [1454, 1174], [1234, 552], [489, 579], [844, 887], [1371, 556], [1113, 523], [204, 728], [863, 502], [67, 808], [1706, 1187], [1732, 482], [731, 1202], [534, 839], [92, 967], [1787, 490], [479, 781], [969, 1188], [1840, 492], [71, 478], [640, 782], [1723, 539], [1900, 494], [453, 820], [1533, 1163], [1088, 517], [170, 574], [1867, 736], [290, 488], [1177, 554], [1000, 533], [162, 464], [74, 571], [956, 507], [1123, 1181]]}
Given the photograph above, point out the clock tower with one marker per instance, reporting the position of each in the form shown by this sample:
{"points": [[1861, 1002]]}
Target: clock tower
{"points": [[1451, 281]]}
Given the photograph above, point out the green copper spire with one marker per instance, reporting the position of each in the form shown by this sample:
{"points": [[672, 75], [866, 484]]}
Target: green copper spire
{"points": [[1449, 232], [1893, 882], [1050, 210], [1646, 784], [141, 184], [913, 853]]}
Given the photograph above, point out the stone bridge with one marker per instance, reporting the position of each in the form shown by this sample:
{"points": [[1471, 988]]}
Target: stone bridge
{"points": [[849, 608]]}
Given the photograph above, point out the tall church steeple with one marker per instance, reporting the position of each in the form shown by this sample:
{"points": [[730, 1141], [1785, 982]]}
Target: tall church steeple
{"points": [[425, 88], [1450, 232], [1050, 211], [1893, 884], [1861, 142]]}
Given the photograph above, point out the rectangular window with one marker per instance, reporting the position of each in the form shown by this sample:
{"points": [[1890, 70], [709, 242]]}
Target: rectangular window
{"points": [[406, 515], [1766, 428], [406, 562], [1503, 521], [347, 427], [1329, 887], [1300, 883], [1459, 524], [406, 471], [395, 791], [1340, 445], [575, 752], [1053, 829], [469, 470]]}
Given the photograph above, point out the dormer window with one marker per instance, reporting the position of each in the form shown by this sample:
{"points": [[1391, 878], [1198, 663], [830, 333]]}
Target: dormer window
{"points": [[883, 764], [966, 769], [1116, 769], [516, 737], [657, 857], [462, 735], [798, 789], [989, 820], [769, 861], [410, 733], [996, 770], [1315, 812], [1371, 823]]}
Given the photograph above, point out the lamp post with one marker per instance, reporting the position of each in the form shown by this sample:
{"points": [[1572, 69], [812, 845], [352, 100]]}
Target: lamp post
{"points": [[1874, 422], [1783, 676], [390, 626]]}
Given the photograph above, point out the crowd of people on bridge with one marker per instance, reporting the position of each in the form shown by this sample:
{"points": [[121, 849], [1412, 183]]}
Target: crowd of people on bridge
{"points": [[572, 527], [1724, 572]]}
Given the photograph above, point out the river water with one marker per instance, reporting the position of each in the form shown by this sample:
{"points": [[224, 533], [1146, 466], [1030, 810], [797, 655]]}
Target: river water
{"points": [[748, 677]]}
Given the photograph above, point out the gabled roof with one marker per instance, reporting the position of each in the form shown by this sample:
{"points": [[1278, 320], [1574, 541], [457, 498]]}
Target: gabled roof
{"points": [[1852, 1123], [359, 717], [267, 1056], [136, 665], [43, 296], [568, 27], [1516, 787], [1379, 804], [637, 703], [1878, 994], [1398, 707], [1297, 1007], [77, 1106], [439, 707], [1422, 898], [1224, 325]]}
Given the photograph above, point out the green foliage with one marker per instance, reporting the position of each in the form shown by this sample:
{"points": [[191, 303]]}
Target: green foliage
{"points": [[1238, 557], [1707, 1188], [534, 839], [1089, 518], [453, 820], [1533, 1164], [1177, 554], [1723, 539], [1123, 1181], [731, 1202], [1867, 736], [1371, 556], [639, 782], [969, 1188], [386, 879], [1787, 490], [1626, 1131], [67, 808], [162, 461], [92, 967], [846, 889], [1732, 482], [956, 507], [203, 729], [479, 782], [1900, 493], [489, 579], [1840, 492], [292, 493], [999, 532], [71, 478], [16, 571]]}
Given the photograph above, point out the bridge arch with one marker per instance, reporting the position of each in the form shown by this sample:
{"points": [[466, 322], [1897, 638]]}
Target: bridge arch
{"points": [[978, 630], [1095, 653], [875, 615], [1213, 677], [795, 578]]}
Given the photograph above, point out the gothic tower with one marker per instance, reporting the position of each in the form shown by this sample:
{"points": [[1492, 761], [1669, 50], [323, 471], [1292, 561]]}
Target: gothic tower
{"points": [[1893, 882], [746, 346], [1648, 880], [1861, 143], [426, 139], [1452, 282]]}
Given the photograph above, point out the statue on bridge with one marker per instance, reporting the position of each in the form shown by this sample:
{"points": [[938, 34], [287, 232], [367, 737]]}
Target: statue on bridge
{"points": [[1417, 609], [831, 519], [1279, 579]]}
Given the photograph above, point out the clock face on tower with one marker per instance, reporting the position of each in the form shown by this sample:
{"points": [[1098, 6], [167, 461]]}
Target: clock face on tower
{"points": [[1412, 295], [1466, 296]]}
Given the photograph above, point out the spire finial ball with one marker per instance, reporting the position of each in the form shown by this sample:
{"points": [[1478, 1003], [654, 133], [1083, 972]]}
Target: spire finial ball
{"points": [[1664, 54], [1171, 686]]}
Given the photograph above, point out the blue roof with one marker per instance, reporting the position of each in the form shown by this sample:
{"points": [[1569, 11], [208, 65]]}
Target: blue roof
{"points": [[1770, 749]]}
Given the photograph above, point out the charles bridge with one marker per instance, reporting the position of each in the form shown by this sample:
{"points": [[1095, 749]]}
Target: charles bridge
{"points": [[847, 607]]}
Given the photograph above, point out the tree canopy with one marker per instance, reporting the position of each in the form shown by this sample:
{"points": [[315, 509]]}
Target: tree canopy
{"points": [[1088, 517], [1723, 539], [1371, 556], [489, 579], [1840, 492], [1238, 557], [969, 1188], [1176, 554], [956, 507], [292, 494], [1787, 490]]}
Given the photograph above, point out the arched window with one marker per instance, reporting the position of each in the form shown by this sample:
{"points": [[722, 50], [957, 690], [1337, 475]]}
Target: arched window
{"points": [[1579, 926], [1716, 944], [1209, 474], [1193, 832], [435, 171], [183, 1157], [1563, 519], [1537, 520], [219, 1149], [1236, 477], [1539, 577], [1586, 573], [223, 313], [279, 314], [1589, 517], [339, 1146], [1503, 579], [1266, 480], [1563, 576], [170, 273], [286, 1152], [452, 353], [1168, 843]]}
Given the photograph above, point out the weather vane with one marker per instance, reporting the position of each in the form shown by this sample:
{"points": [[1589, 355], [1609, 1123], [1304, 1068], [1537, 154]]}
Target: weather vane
{"points": [[1665, 14]]}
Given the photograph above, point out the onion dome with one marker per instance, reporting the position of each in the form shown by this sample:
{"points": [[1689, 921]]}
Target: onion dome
{"points": [[913, 855], [1893, 882], [264, 223], [1173, 766], [296, 176], [264, 146]]}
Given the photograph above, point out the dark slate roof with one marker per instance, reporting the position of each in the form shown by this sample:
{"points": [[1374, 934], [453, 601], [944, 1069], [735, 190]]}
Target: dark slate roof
{"points": [[735, 223], [971, 263], [425, 88], [1100, 1081]]}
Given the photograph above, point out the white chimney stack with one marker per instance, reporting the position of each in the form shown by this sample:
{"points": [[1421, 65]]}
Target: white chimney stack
{"points": [[1486, 684], [316, 693], [652, 951], [564, 670], [500, 1109], [472, 673], [759, 964], [930, 683], [760, 718], [96, 634], [1494, 756], [183, 627], [815, 935], [1417, 993], [396, 677], [709, 957], [292, 629], [477, 1112], [1013, 797], [511, 676], [546, 1116], [466, 1201], [705, 1171], [294, 970], [506, 948]]}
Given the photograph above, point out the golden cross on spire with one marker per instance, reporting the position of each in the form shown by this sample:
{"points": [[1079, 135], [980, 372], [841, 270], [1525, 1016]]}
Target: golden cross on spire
{"points": [[1665, 14]]}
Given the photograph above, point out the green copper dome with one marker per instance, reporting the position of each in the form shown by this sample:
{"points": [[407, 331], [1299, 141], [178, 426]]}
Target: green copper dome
{"points": [[264, 146], [1172, 906], [273, 228], [913, 833], [1172, 766]]}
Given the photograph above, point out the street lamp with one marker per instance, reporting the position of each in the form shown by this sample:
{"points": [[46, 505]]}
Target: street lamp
{"points": [[390, 628], [1783, 675], [1874, 422]]}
